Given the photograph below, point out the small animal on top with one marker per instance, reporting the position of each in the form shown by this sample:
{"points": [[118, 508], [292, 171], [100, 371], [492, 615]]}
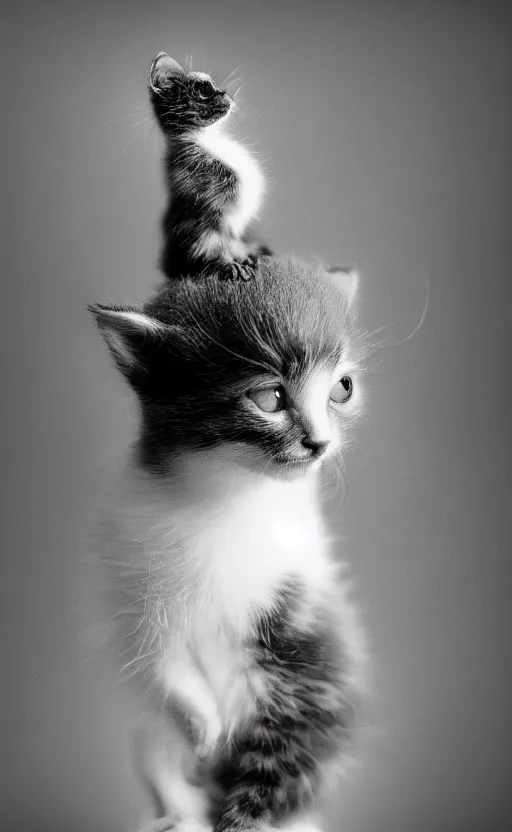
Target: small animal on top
{"points": [[215, 185]]}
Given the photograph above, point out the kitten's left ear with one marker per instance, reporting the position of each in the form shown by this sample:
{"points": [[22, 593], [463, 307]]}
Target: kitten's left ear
{"points": [[127, 332], [163, 69], [347, 279]]}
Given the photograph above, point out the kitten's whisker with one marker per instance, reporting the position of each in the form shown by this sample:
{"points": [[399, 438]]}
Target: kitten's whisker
{"points": [[136, 115], [412, 334], [228, 79], [420, 322], [252, 112], [133, 127], [233, 90]]}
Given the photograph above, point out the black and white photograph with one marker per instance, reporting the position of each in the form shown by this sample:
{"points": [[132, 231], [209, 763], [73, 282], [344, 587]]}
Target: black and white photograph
{"points": [[256, 414]]}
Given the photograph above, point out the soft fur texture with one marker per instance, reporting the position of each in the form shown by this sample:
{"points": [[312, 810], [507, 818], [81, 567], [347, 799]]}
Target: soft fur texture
{"points": [[215, 185], [229, 613]]}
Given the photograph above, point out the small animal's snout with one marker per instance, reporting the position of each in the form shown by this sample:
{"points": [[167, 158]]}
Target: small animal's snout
{"points": [[316, 446]]}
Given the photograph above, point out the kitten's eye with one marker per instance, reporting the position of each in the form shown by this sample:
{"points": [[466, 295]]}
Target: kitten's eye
{"points": [[269, 399], [203, 89], [342, 390]]}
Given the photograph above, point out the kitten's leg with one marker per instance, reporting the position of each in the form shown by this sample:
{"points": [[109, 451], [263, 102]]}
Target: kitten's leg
{"points": [[193, 705], [166, 766], [160, 825], [174, 741], [169, 825]]}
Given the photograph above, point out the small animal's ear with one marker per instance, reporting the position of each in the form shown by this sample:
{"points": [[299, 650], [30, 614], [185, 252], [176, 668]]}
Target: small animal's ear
{"points": [[347, 279], [127, 333], [163, 70]]}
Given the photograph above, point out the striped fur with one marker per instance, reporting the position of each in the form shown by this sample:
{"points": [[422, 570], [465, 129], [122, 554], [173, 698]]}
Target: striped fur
{"points": [[215, 185]]}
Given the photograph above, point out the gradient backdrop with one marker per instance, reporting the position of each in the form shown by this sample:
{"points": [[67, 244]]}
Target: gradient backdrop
{"points": [[386, 131]]}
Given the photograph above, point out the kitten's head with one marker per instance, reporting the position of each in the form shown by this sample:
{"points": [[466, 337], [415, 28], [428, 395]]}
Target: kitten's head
{"points": [[265, 371], [184, 101]]}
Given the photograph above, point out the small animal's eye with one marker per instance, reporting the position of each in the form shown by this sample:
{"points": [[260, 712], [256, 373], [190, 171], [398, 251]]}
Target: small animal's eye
{"points": [[204, 89], [342, 390], [269, 399]]}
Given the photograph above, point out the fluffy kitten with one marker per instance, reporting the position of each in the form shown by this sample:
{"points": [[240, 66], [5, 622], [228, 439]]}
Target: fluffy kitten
{"points": [[228, 611], [215, 185]]}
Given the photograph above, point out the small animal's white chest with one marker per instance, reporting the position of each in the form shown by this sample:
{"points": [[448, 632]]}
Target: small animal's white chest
{"points": [[251, 182]]}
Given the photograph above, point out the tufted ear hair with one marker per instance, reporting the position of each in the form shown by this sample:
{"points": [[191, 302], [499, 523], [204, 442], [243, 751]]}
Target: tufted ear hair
{"points": [[162, 70], [127, 332], [347, 279]]}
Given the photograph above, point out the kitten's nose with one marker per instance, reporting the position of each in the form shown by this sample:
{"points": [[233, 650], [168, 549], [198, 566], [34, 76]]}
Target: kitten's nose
{"points": [[316, 446]]}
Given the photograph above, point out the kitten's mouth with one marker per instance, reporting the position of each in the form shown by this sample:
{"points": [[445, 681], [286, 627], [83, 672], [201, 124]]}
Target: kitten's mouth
{"points": [[295, 461], [223, 105]]}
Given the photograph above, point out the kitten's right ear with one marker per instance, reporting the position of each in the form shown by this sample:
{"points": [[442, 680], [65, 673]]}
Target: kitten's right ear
{"points": [[163, 70], [127, 333]]}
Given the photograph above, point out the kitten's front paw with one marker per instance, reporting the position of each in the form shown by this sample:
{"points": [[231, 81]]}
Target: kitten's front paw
{"points": [[160, 825], [173, 825]]}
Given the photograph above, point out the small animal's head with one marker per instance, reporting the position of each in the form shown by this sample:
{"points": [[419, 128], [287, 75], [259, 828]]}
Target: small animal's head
{"points": [[182, 100], [266, 372]]}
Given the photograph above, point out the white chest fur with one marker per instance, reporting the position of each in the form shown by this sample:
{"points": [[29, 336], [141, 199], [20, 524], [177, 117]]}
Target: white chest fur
{"points": [[235, 156], [252, 542], [210, 549]]}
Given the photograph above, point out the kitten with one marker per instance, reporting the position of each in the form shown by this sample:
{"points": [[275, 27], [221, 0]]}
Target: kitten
{"points": [[216, 186], [228, 611]]}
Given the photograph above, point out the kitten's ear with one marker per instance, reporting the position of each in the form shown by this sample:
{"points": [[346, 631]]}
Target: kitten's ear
{"points": [[163, 70], [347, 279], [127, 333]]}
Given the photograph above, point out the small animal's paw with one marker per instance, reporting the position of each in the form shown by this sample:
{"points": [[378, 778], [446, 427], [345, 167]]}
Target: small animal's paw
{"points": [[237, 270], [251, 259]]}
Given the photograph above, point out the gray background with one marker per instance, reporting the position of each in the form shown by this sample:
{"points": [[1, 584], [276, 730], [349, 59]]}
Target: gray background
{"points": [[386, 132]]}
